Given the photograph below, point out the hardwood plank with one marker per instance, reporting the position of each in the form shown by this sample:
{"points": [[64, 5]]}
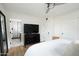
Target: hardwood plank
{"points": [[18, 51]]}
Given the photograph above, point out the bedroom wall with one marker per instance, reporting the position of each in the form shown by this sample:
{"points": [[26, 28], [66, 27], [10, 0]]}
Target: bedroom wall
{"points": [[68, 25], [47, 29], [26, 19], [65, 25]]}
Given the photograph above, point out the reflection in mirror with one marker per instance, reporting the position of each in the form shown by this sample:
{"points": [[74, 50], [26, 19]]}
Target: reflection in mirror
{"points": [[15, 29]]}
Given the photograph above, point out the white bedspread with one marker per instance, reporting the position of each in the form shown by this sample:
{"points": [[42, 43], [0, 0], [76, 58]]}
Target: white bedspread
{"points": [[49, 48]]}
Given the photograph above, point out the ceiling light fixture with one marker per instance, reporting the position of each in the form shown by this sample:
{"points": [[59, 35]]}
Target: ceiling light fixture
{"points": [[50, 6]]}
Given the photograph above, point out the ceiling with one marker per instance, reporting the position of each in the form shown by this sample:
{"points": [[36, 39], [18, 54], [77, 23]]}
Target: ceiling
{"points": [[39, 9]]}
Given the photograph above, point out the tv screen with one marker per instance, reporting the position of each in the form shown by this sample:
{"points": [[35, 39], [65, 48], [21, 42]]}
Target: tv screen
{"points": [[31, 28]]}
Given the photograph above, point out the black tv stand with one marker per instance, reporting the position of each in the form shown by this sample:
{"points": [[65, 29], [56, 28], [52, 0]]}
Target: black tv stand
{"points": [[31, 38]]}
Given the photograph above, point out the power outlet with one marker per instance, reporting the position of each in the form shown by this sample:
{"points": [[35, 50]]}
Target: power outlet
{"points": [[62, 33], [48, 33]]}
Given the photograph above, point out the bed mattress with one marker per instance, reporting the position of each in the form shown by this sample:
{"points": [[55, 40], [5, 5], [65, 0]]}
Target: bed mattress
{"points": [[48, 48]]}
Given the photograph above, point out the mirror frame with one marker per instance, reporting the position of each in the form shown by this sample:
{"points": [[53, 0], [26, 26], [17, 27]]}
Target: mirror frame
{"points": [[1, 41]]}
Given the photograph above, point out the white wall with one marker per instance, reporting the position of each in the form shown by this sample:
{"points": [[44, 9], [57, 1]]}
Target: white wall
{"points": [[66, 25], [47, 29]]}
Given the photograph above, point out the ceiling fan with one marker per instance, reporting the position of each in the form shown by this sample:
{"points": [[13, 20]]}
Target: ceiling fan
{"points": [[51, 6]]}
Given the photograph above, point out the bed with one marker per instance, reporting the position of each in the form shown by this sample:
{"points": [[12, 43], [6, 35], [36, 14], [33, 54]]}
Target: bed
{"points": [[49, 48]]}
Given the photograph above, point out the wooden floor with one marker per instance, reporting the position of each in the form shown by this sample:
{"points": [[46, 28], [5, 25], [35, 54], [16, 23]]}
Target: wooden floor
{"points": [[18, 51]]}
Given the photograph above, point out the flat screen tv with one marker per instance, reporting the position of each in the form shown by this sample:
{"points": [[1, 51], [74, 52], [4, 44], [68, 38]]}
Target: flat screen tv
{"points": [[31, 28]]}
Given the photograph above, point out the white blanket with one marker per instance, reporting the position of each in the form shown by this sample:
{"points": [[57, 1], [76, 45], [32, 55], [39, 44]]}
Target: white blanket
{"points": [[49, 48]]}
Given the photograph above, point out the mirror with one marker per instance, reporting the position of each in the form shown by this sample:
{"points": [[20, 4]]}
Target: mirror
{"points": [[3, 35]]}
